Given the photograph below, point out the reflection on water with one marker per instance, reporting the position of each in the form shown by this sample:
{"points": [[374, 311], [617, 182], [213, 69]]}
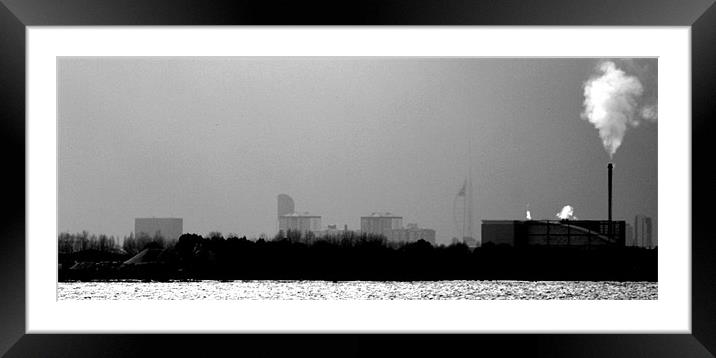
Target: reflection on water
{"points": [[358, 290]]}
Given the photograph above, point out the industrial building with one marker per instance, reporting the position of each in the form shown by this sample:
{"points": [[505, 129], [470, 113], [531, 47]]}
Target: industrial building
{"points": [[168, 228], [289, 219], [562, 233], [553, 233]]}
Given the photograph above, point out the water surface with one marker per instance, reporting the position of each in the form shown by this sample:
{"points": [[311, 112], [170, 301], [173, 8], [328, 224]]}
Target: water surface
{"points": [[358, 290]]}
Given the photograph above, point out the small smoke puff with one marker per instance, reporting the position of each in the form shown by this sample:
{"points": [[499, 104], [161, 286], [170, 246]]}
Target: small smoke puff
{"points": [[650, 113], [611, 103], [567, 213]]}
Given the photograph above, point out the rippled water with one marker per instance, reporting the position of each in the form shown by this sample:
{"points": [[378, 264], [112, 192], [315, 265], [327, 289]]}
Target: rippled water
{"points": [[358, 290]]}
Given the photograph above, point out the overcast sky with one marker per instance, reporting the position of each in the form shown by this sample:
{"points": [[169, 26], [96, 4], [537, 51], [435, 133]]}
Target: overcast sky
{"points": [[215, 140]]}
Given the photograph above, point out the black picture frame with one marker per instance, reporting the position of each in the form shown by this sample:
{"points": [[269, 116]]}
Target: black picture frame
{"points": [[16, 15]]}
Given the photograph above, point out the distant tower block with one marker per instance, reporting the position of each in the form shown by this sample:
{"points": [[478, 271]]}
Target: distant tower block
{"points": [[380, 224], [289, 219], [285, 205], [643, 231]]}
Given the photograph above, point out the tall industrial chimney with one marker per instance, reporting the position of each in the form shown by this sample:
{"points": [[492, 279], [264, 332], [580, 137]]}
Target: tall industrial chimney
{"points": [[609, 175]]}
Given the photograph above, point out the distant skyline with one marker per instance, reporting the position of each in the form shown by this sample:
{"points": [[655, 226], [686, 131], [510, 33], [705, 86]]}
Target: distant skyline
{"points": [[214, 140]]}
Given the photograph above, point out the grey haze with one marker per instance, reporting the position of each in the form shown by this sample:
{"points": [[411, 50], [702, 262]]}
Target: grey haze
{"points": [[214, 140]]}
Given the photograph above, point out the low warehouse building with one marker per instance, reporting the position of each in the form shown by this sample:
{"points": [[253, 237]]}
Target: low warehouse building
{"points": [[554, 233]]}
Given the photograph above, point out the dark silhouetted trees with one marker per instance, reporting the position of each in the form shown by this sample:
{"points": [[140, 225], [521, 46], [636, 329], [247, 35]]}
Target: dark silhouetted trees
{"points": [[350, 256], [70, 243]]}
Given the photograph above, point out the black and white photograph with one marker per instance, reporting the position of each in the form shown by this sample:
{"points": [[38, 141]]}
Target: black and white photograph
{"points": [[357, 178]]}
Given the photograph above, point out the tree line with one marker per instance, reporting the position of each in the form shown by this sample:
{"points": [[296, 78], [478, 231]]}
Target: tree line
{"points": [[351, 256], [70, 243], [83, 241]]}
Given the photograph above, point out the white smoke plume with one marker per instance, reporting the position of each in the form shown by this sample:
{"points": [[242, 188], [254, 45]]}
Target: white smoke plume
{"points": [[528, 214], [612, 103], [567, 213]]}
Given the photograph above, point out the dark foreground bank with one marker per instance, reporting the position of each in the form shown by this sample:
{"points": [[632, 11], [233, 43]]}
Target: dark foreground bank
{"points": [[359, 257]]}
